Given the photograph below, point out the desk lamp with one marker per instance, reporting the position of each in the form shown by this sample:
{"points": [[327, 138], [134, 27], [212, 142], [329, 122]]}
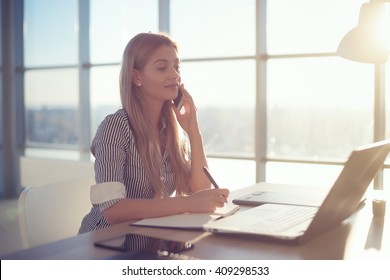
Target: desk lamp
{"points": [[368, 42]]}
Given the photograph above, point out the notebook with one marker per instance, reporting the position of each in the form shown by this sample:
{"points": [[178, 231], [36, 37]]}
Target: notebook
{"points": [[189, 220], [301, 223]]}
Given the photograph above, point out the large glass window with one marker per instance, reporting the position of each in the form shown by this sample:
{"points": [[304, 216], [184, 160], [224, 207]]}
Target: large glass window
{"points": [[224, 92], [316, 107], [50, 32], [218, 47], [323, 108], [52, 89], [217, 28], [105, 98], [233, 173], [122, 20], [51, 98], [114, 22], [314, 175], [314, 26], [319, 106]]}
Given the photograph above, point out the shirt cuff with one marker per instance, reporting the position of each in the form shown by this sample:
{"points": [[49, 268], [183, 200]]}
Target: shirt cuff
{"points": [[106, 192]]}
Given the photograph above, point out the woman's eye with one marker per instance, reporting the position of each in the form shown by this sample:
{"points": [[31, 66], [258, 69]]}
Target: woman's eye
{"points": [[161, 68]]}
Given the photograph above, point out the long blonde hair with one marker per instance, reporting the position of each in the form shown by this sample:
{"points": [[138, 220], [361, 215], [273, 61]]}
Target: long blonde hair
{"points": [[136, 55]]}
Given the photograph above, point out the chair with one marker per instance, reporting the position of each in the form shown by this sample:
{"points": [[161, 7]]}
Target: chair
{"points": [[54, 211]]}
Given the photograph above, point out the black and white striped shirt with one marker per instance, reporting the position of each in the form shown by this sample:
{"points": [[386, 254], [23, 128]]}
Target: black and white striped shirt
{"points": [[119, 171]]}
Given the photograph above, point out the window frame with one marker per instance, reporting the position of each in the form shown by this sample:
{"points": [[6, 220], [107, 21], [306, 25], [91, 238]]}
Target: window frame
{"points": [[261, 59]]}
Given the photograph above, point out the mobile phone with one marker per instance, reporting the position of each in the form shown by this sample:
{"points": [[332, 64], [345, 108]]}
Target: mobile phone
{"points": [[178, 101], [136, 246]]}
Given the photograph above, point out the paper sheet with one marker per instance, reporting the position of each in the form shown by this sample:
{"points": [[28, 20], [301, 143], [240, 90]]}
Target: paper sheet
{"points": [[188, 220]]}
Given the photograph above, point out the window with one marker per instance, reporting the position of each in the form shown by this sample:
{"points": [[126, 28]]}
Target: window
{"points": [[224, 90], [319, 106], [206, 30], [113, 23], [52, 66], [50, 33], [105, 98], [278, 55], [51, 76], [51, 97], [219, 70], [302, 27], [122, 20], [322, 109]]}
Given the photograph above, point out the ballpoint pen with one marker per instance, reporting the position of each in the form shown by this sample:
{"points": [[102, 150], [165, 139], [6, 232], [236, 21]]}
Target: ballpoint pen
{"points": [[207, 172]]}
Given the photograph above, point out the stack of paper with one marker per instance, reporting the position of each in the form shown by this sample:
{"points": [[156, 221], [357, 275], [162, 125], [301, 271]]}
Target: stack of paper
{"points": [[189, 220]]}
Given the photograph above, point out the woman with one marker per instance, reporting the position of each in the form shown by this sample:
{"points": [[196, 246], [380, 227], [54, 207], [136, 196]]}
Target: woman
{"points": [[141, 155]]}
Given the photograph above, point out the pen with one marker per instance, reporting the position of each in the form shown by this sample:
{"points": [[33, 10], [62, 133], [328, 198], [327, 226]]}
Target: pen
{"points": [[207, 172]]}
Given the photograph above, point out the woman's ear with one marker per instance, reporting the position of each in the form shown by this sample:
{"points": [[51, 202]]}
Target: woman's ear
{"points": [[136, 78]]}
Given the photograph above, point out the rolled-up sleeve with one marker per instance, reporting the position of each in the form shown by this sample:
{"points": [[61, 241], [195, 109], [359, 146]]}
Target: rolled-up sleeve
{"points": [[105, 195], [110, 147]]}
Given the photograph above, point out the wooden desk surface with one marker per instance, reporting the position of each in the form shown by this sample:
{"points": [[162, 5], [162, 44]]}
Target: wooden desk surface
{"points": [[361, 236]]}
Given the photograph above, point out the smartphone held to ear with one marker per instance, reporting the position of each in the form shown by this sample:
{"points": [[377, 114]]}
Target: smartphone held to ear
{"points": [[178, 101]]}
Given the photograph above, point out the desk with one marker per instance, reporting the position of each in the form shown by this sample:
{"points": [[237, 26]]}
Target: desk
{"points": [[361, 236]]}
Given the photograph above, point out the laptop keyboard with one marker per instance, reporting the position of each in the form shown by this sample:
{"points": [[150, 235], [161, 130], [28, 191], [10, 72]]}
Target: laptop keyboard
{"points": [[287, 219]]}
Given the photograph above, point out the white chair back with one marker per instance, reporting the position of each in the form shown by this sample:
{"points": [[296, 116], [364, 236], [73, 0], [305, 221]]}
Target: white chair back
{"points": [[54, 211]]}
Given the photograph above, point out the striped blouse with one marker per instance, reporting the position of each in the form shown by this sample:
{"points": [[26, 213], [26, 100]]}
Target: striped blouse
{"points": [[119, 172]]}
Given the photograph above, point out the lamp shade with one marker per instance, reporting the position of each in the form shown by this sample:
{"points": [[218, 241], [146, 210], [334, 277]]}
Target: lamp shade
{"points": [[366, 42]]}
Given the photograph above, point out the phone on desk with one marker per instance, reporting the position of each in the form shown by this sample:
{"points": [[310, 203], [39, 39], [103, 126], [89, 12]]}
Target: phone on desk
{"points": [[141, 247], [178, 101]]}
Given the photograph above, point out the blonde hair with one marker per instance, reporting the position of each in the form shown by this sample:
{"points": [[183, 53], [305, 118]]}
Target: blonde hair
{"points": [[136, 55]]}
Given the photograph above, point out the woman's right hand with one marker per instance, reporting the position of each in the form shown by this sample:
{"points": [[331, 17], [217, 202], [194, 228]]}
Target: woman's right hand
{"points": [[206, 201]]}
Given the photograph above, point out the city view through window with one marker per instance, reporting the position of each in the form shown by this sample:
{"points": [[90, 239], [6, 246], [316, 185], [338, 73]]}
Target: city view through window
{"points": [[318, 107]]}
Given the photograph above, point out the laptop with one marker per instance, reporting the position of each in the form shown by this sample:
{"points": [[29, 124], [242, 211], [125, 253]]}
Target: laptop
{"points": [[299, 224]]}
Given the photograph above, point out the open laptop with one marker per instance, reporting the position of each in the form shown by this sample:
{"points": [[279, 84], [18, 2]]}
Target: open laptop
{"points": [[301, 223]]}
